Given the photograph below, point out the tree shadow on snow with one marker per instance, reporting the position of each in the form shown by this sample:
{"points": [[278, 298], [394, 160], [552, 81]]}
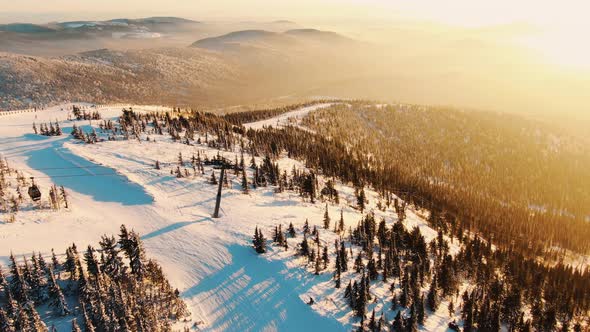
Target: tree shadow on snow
{"points": [[74, 172], [254, 294], [172, 227]]}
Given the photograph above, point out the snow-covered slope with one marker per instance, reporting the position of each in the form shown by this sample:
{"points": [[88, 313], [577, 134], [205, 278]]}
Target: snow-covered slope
{"points": [[225, 283]]}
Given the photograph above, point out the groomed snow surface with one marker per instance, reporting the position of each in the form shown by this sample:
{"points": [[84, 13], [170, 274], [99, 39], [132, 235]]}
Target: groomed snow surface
{"points": [[225, 283]]}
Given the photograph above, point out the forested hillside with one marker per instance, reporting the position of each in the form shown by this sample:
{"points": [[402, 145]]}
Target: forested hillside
{"points": [[516, 182], [112, 288], [489, 282]]}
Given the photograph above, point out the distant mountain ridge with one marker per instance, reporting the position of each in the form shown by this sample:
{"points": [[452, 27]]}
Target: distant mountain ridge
{"points": [[121, 27], [145, 76], [24, 28], [292, 36]]}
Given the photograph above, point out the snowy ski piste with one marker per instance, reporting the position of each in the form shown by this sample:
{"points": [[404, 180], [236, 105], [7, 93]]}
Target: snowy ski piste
{"points": [[226, 284]]}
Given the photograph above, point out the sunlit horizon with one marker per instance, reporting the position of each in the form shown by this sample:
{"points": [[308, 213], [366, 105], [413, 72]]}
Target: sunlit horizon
{"points": [[529, 57]]}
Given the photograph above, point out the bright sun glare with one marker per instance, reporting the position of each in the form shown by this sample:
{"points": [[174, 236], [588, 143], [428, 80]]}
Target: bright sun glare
{"points": [[560, 36], [561, 48]]}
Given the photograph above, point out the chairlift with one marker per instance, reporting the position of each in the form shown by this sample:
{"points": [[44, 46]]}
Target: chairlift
{"points": [[34, 191]]}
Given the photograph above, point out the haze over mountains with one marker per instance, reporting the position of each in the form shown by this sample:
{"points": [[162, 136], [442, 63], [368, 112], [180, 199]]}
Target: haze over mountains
{"points": [[152, 61], [460, 68]]}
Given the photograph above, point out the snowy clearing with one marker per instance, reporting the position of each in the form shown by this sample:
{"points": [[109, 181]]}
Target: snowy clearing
{"points": [[225, 283]]}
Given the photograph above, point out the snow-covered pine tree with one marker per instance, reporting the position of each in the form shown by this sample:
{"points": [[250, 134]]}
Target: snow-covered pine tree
{"points": [[291, 230], [318, 261], [6, 322], [338, 272], [432, 297], [113, 265], [18, 285], [56, 297], [75, 327], [88, 326], [326, 218], [259, 242], [304, 247], [325, 257], [245, 189]]}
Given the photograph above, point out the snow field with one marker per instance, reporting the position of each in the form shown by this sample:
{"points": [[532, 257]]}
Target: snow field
{"points": [[225, 283]]}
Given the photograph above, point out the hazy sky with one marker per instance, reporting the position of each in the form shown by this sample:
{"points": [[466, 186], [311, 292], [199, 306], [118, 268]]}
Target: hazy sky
{"points": [[460, 37], [563, 25], [450, 11]]}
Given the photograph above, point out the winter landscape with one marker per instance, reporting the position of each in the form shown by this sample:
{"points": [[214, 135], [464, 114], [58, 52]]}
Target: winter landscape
{"points": [[173, 174]]}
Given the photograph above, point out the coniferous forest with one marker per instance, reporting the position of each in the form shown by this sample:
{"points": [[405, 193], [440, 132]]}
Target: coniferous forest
{"points": [[114, 287], [325, 165], [516, 182], [516, 279]]}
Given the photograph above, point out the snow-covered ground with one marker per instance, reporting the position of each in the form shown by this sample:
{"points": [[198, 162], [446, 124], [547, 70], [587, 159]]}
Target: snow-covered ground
{"points": [[225, 283], [289, 118]]}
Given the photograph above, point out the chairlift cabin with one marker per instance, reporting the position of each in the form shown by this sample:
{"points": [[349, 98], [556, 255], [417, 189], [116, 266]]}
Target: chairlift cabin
{"points": [[34, 191]]}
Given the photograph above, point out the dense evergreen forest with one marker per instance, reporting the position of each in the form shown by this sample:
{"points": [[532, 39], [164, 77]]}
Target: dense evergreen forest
{"points": [[239, 118], [512, 283], [510, 179], [111, 288], [420, 275]]}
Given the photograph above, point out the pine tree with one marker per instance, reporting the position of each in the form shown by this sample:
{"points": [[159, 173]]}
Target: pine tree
{"points": [[372, 269], [245, 189], [341, 222], [343, 257], [358, 262], [361, 200], [2, 277], [88, 326], [304, 247], [38, 280], [381, 322], [373, 322], [56, 297], [306, 227], [420, 310], [55, 261], [338, 272], [326, 218], [12, 306], [259, 241], [35, 322], [22, 320], [42, 264], [361, 298], [451, 308], [432, 297], [291, 230], [325, 257], [91, 262], [413, 323], [398, 324], [75, 327], [113, 265], [6, 322], [318, 262], [18, 285], [136, 259]]}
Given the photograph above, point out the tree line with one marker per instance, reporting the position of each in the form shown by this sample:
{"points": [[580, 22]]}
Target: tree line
{"points": [[111, 288]]}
